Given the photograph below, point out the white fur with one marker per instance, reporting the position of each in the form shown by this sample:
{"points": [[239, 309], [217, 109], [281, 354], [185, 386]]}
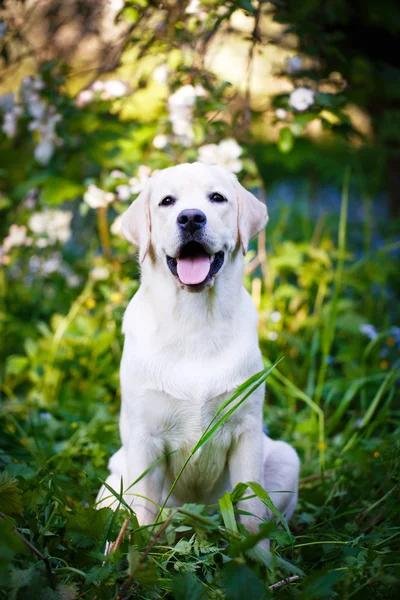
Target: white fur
{"points": [[185, 353]]}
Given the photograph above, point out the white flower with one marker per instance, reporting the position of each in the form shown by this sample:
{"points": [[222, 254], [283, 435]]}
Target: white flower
{"points": [[273, 336], [11, 114], [44, 151], [73, 280], [116, 226], [84, 97], [230, 149], [42, 243], [200, 91], [114, 88], [60, 225], [17, 110], [180, 106], [52, 264], [302, 98], [194, 8], [45, 120], [124, 192], [10, 124], [53, 223], [117, 174], [294, 64], [96, 197], [281, 113], [117, 5], [97, 86], [184, 97], [137, 183], [160, 74], [209, 154], [99, 273], [276, 316], [38, 83], [369, 331], [226, 154], [16, 237], [160, 141], [36, 107]]}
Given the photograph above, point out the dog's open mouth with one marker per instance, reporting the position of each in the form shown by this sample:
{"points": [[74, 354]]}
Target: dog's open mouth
{"points": [[194, 265]]}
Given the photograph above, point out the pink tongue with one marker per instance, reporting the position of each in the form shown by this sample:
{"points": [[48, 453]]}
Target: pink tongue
{"points": [[193, 270]]}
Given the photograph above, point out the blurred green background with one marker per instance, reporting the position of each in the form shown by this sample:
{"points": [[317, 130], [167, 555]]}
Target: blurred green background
{"points": [[302, 102]]}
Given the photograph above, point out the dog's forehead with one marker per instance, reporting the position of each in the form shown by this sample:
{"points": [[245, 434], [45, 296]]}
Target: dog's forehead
{"points": [[191, 178]]}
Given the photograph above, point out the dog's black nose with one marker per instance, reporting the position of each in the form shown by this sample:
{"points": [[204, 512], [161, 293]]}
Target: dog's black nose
{"points": [[191, 219]]}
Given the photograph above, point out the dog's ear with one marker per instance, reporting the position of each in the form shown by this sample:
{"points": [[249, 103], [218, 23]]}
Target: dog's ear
{"points": [[136, 222], [252, 216]]}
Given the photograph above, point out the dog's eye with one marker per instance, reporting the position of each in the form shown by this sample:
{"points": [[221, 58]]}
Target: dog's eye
{"points": [[215, 197], [167, 201]]}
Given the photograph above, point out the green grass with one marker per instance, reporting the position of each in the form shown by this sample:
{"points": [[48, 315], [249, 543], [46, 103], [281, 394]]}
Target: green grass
{"points": [[333, 396]]}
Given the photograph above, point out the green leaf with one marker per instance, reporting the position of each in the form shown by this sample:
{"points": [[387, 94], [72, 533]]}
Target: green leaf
{"points": [[86, 527], [186, 586], [59, 189], [16, 364], [265, 498], [10, 544], [227, 512], [10, 495], [321, 584], [144, 573], [239, 582], [286, 140]]}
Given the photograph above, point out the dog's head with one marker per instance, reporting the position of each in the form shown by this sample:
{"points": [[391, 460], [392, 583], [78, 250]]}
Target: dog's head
{"points": [[193, 217]]}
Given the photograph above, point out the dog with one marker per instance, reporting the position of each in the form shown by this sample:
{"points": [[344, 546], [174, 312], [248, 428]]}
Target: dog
{"points": [[190, 341]]}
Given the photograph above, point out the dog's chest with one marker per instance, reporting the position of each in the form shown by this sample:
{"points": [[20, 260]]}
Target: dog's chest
{"points": [[178, 424], [195, 372], [177, 427]]}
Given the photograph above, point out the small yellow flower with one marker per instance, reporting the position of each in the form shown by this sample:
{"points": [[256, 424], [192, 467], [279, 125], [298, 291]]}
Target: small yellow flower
{"points": [[384, 364], [90, 303], [116, 297], [74, 425], [377, 454], [390, 341], [322, 446]]}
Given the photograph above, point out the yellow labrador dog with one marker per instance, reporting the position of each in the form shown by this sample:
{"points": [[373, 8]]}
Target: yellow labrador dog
{"points": [[190, 341]]}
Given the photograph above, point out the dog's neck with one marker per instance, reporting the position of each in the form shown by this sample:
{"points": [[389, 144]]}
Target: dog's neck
{"points": [[221, 301]]}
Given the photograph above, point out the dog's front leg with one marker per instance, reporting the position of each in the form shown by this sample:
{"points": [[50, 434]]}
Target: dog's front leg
{"points": [[246, 464], [144, 491]]}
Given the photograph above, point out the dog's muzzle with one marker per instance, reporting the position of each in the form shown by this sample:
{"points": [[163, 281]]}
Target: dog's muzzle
{"points": [[194, 266]]}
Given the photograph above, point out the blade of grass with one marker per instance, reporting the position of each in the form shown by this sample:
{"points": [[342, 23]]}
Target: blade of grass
{"points": [[295, 392], [266, 499], [386, 384], [211, 429], [328, 332], [228, 514], [348, 397]]}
